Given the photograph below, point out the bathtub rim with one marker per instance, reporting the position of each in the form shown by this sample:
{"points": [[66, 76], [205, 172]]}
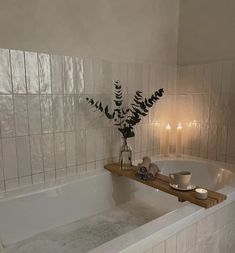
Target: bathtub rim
{"points": [[150, 234], [53, 185]]}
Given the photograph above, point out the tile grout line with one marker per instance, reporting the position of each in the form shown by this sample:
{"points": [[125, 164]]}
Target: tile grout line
{"points": [[27, 104], [14, 114], [40, 109], [52, 112]]}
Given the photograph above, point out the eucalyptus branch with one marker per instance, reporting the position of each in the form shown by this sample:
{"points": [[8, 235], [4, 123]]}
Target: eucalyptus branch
{"points": [[126, 118]]}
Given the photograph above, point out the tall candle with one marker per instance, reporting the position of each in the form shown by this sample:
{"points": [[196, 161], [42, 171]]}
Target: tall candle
{"points": [[167, 140], [179, 140]]}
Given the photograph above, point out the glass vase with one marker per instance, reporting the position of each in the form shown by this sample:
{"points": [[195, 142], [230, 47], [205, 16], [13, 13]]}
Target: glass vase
{"points": [[125, 155]]}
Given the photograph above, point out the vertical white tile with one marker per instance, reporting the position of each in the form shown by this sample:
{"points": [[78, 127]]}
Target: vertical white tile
{"points": [[61, 173], [231, 141], [119, 73], [171, 79], [150, 140], [160, 248], [137, 138], [162, 78], [71, 171], [116, 71], [5, 74], [23, 156], [21, 115], [36, 153], [25, 181], [99, 165], [146, 73], [70, 148], [83, 118], [50, 176], [11, 184], [79, 75], [107, 140], [115, 142], [106, 77], [222, 140], [227, 68], [88, 76], [68, 75], [31, 65], [2, 186], [90, 145], [60, 152], [80, 146], [99, 142], [44, 73], [157, 137], [46, 113], [18, 71], [97, 75], [213, 137], [90, 167], [198, 78], [144, 137], [138, 77], [38, 178], [204, 140], [69, 112], [6, 115], [34, 114], [124, 77], [58, 113], [186, 238], [152, 77], [207, 82], [9, 158], [131, 78], [81, 169], [1, 164], [56, 74], [48, 152], [171, 244]]}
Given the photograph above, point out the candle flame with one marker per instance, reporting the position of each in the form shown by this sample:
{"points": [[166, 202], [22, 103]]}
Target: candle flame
{"points": [[168, 126], [179, 125]]}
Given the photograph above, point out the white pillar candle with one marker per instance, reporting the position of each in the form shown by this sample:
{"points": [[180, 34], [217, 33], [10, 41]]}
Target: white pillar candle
{"points": [[179, 140], [167, 140]]}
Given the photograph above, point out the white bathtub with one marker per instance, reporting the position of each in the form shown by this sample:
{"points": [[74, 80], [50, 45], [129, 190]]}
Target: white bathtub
{"points": [[30, 211]]}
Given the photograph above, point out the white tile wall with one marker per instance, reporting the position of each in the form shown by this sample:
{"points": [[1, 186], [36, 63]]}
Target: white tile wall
{"points": [[43, 110], [47, 129], [205, 103]]}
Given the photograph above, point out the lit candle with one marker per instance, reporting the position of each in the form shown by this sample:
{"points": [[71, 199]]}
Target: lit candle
{"points": [[167, 140], [179, 140], [201, 193]]}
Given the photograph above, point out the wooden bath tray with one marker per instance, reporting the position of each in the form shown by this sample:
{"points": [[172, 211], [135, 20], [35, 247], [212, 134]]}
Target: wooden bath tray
{"points": [[161, 182]]}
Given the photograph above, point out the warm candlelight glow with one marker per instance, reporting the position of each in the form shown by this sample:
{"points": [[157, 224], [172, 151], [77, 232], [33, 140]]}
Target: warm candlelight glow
{"points": [[201, 193], [179, 140], [200, 190], [168, 127], [167, 140], [179, 126]]}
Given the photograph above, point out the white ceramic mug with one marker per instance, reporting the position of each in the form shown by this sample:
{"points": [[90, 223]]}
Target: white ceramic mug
{"points": [[182, 179]]}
